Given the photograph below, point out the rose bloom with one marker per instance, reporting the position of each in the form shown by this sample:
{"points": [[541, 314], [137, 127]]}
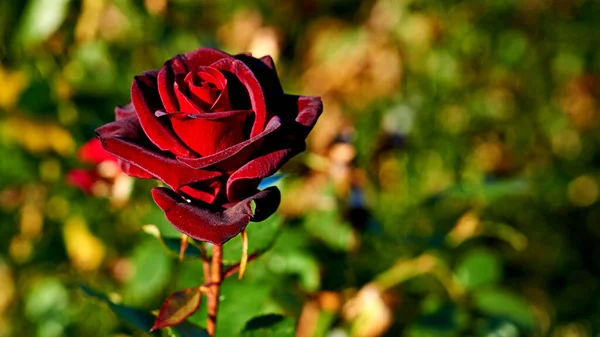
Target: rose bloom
{"points": [[210, 126]]}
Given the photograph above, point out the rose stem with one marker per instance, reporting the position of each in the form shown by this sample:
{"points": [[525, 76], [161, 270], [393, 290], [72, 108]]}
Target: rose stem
{"points": [[205, 263], [215, 286]]}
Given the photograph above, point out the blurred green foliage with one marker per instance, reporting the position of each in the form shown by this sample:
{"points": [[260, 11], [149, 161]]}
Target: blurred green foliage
{"points": [[450, 188]]}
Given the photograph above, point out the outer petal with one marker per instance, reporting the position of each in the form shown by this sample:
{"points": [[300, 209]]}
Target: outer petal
{"points": [[204, 57], [234, 156], [123, 111], [146, 100], [278, 148], [215, 226], [253, 87], [126, 139], [166, 80], [264, 70]]}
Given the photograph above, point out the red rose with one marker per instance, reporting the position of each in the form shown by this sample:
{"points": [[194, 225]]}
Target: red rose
{"points": [[210, 126]]}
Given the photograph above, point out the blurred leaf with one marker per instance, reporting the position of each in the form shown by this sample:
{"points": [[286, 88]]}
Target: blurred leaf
{"points": [[46, 300], [479, 267], [290, 256], [135, 317], [331, 229], [151, 272], [501, 303], [41, 19], [269, 325], [177, 307]]}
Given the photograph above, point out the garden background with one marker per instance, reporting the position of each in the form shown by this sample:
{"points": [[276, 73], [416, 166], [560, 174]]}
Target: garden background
{"points": [[449, 189]]}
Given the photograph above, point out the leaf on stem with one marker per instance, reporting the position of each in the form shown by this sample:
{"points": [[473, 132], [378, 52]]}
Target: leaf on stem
{"points": [[178, 307]]}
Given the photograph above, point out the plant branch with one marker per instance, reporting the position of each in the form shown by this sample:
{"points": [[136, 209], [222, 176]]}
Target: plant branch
{"points": [[215, 287]]}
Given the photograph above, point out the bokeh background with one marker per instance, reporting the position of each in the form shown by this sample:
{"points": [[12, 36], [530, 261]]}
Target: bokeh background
{"points": [[450, 188]]}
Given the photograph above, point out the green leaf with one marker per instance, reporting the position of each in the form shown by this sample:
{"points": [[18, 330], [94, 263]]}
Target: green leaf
{"points": [[501, 303], [187, 329], [240, 301], [157, 218], [479, 267], [178, 307], [41, 19], [270, 325], [152, 271], [137, 318], [328, 227]]}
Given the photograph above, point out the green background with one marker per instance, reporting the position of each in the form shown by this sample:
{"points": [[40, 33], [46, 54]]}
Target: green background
{"points": [[449, 189]]}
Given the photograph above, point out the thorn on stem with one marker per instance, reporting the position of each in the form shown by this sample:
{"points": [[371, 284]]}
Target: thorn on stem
{"points": [[183, 246], [244, 259]]}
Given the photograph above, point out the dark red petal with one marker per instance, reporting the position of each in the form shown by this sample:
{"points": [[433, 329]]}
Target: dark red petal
{"points": [[146, 100], [268, 61], [204, 57], [210, 75], [123, 111], [264, 70], [215, 226], [205, 191], [166, 79], [202, 94], [186, 104], [126, 139], [257, 98], [178, 307], [234, 156], [209, 135], [299, 115], [246, 179], [92, 152]]}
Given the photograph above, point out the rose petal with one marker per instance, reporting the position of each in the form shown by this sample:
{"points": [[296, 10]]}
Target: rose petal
{"points": [[207, 136], [146, 101], [166, 79], [205, 191], [126, 139], [264, 70], [253, 87], [204, 57], [215, 226], [278, 148], [233, 156]]}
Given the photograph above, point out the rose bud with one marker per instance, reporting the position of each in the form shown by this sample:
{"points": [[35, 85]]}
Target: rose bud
{"points": [[210, 126], [105, 178]]}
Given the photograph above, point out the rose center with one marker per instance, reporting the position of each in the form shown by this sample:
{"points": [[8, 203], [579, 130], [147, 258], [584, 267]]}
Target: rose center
{"points": [[203, 88]]}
